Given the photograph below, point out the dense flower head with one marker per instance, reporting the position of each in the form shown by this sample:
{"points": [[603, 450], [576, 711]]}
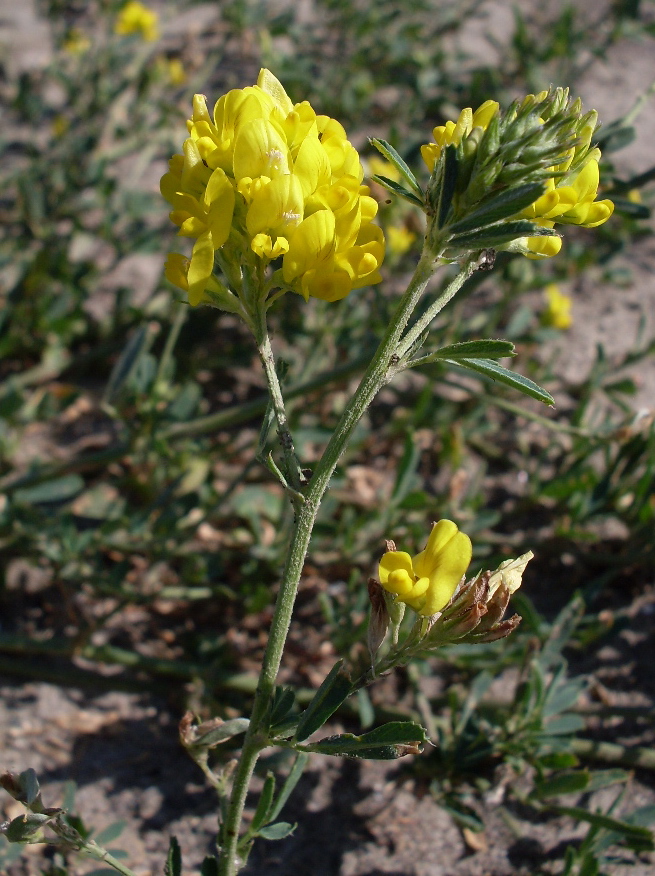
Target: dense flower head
{"points": [[135, 18], [427, 581], [262, 179], [543, 139]]}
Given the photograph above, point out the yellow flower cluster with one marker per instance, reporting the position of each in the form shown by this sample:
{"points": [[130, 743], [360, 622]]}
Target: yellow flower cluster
{"points": [[427, 581], [262, 179], [136, 18], [570, 196]]}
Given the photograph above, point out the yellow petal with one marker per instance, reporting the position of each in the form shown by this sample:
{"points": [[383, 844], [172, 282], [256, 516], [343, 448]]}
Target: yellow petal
{"points": [[391, 562], [200, 268]]}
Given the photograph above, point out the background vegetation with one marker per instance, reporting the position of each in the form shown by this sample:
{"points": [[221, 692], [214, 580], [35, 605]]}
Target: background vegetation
{"points": [[138, 531]]}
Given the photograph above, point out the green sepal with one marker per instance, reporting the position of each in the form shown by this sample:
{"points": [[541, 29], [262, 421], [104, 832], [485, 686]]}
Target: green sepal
{"points": [[333, 691], [496, 372], [396, 189], [501, 232], [399, 163], [389, 742], [499, 207], [448, 184]]}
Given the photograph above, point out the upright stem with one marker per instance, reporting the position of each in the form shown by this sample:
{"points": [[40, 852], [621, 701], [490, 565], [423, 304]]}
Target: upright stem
{"points": [[376, 375]]}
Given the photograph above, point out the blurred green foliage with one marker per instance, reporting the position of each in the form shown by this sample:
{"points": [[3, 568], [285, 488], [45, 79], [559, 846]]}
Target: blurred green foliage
{"points": [[129, 423]]}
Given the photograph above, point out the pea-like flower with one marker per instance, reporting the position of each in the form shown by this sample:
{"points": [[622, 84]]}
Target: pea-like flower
{"points": [[427, 581], [262, 180], [135, 18]]}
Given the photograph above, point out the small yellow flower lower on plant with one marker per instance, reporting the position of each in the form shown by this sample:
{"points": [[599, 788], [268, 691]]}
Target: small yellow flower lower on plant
{"points": [[262, 179], [427, 581], [135, 18], [557, 313]]}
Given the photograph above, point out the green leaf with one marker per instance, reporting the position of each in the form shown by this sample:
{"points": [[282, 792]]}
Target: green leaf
{"points": [[283, 700], [333, 691], [277, 831], [502, 232], [173, 865], [136, 346], [291, 781], [564, 783], [485, 348], [110, 833], [396, 189], [264, 806], [29, 783], [224, 731], [388, 742], [565, 725], [57, 490], [500, 207], [502, 375], [605, 778], [399, 163], [209, 866], [597, 819]]}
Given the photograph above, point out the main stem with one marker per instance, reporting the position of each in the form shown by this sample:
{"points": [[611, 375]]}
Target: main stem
{"points": [[376, 375]]}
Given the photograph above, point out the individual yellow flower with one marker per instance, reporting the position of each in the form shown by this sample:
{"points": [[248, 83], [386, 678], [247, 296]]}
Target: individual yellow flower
{"points": [[427, 581], [173, 70], [557, 313], [76, 42], [263, 179], [135, 18], [400, 239]]}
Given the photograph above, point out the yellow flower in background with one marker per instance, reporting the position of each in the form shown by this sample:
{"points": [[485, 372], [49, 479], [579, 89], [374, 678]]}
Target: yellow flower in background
{"points": [[76, 42], [400, 239], [428, 581], [174, 71], [135, 18], [378, 166], [557, 313], [262, 179]]}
